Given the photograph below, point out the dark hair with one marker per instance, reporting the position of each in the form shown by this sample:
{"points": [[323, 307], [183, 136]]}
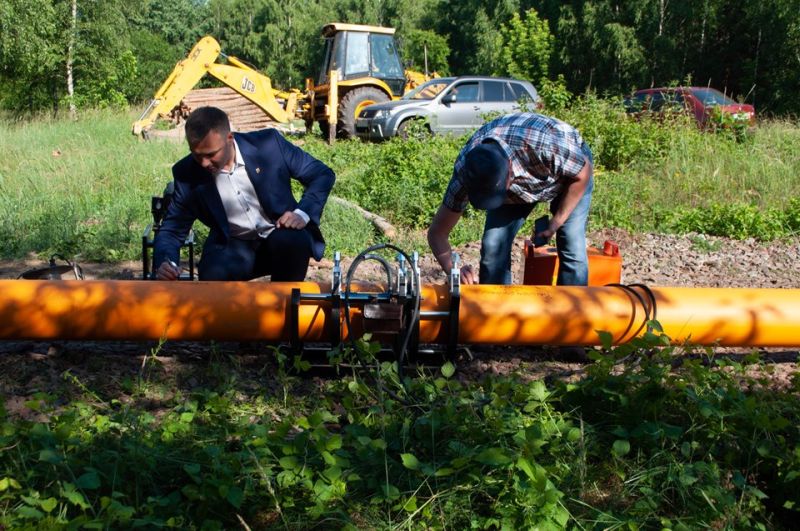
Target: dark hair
{"points": [[203, 120]]}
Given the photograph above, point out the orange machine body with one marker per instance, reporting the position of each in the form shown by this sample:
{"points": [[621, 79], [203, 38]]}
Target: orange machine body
{"points": [[541, 265]]}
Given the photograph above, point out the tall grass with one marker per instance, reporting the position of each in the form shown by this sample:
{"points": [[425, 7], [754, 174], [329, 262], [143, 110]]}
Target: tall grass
{"points": [[82, 188], [78, 186], [700, 169], [669, 176]]}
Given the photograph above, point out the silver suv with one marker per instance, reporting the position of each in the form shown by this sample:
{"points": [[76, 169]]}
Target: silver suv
{"points": [[446, 105]]}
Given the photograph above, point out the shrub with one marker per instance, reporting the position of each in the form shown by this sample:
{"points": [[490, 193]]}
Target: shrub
{"points": [[792, 216], [733, 220], [616, 139], [404, 179]]}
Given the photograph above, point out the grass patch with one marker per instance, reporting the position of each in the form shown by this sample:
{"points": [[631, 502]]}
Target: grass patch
{"points": [[79, 188], [642, 444], [82, 188], [349, 242]]}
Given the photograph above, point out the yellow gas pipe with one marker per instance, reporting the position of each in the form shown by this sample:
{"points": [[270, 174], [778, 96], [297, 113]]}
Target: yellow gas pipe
{"points": [[509, 315]]}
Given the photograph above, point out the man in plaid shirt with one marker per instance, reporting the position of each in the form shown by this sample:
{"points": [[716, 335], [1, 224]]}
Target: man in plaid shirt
{"points": [[508, 166]]}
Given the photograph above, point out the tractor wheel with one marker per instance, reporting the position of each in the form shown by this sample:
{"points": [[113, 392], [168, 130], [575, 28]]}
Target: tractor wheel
{"points": [[352, 103]]}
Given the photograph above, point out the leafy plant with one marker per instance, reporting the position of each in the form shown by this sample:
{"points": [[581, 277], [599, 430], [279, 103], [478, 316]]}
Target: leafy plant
{"points": [[703, 244], [527, 46], [726, 123], [554, 94], [655, 434], [736, 221]]}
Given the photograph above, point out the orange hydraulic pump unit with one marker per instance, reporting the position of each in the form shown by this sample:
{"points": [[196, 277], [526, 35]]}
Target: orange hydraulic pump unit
{"points": [[541, 265]]}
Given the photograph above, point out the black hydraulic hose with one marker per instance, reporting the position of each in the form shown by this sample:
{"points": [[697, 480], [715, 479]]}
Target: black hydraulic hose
{"points": [[629, 289], [384, 263], [369, 254]]}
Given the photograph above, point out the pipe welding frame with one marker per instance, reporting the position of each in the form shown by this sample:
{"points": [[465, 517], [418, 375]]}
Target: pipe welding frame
{"points": [[407, 297]]}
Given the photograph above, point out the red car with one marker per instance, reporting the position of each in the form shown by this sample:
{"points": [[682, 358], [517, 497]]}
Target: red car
{"points": [[700, 102]]}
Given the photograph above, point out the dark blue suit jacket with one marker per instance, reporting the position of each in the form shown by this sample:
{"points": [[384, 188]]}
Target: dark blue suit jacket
{"points": [[271, 162]]}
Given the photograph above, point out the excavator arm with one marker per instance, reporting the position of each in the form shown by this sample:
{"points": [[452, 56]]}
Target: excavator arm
{"points": [[237, 75]]}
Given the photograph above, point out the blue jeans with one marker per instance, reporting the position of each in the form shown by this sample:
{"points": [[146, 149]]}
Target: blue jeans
{"points": [[503, 223]]}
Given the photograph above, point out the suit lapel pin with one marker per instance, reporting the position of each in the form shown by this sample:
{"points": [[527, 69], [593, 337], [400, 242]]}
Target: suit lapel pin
{"points": [[258, 170]]}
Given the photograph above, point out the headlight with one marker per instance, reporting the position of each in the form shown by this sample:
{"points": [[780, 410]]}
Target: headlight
{"points": [[384, 113]]}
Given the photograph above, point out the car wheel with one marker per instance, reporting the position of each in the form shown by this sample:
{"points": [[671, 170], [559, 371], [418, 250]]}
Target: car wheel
{"points": [[414, 128], [351, 105]]}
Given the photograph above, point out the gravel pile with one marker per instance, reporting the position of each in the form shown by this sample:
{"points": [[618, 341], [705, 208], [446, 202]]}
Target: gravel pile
{"points": [[691, 260], [705, 261]]}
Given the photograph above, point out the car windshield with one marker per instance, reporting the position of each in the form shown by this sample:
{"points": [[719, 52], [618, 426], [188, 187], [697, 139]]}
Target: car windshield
{"points": [[428, 90], [711, 97]]}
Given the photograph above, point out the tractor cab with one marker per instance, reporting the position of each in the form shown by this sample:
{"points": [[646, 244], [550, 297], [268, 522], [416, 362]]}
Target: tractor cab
{"points": [[356, 52]]}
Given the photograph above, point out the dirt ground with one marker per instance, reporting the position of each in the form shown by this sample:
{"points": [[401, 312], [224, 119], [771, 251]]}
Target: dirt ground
{"points": [[28, 367], [653, 259]]}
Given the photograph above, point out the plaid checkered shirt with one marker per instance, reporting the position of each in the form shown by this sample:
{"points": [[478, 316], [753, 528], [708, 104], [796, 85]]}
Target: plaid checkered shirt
{"points": [[542, 151]]}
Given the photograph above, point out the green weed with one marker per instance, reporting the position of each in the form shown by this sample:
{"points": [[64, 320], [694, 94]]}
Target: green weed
{"points": [[703, 244], [654, 435]]}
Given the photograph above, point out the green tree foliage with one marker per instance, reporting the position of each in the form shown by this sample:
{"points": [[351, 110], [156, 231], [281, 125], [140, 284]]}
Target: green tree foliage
{"points": [[474, 37], [527, 45], [104, 64], [177, 22], [286, 42], [424, 47], [155, 59], [750, 50], [34, 49], [409, 15], [280, 38], [28, 53], [27, 32]]}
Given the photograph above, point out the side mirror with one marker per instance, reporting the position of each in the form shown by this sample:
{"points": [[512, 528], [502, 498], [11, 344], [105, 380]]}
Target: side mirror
{"points": [[449, 98]]}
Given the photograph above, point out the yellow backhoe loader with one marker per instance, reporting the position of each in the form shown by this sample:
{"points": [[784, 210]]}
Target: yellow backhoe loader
{"points": [[361, 66]]}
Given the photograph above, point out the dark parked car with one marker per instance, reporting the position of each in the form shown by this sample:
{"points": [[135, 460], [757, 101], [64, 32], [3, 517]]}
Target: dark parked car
{"points": [[446, 105], [700, 102]]}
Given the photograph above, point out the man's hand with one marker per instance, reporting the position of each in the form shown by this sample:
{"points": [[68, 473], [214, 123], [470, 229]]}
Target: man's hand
{"points": [[168, 271], [468, 275], [290, 220], [547, 234]]}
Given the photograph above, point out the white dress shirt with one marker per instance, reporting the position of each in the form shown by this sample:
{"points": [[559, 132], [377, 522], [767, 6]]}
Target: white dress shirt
{"points": [[246, 217]]}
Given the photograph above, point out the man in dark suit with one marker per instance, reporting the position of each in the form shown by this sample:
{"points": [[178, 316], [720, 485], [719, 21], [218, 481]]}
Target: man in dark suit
{"points": [[239, 185]]}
